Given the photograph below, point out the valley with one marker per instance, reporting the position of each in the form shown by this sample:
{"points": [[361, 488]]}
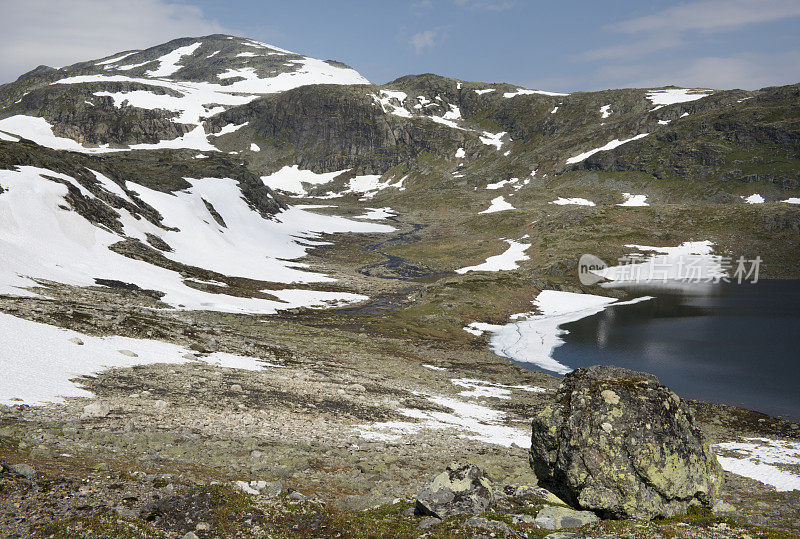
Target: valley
{"points": [[227, 264]]}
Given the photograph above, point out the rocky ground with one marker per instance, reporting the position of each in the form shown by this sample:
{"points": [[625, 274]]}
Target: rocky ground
{"points": [[159, 450], [354, 411]]}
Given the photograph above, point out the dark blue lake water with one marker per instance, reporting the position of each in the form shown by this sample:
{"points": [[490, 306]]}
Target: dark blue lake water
{"points": [[738, 344]]}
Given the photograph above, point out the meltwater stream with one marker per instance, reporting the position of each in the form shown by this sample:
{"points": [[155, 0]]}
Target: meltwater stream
{"points": [[736, 344]]}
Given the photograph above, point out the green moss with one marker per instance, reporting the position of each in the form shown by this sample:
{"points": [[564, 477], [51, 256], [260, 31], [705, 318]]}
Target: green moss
{"points": [[103, 525]]}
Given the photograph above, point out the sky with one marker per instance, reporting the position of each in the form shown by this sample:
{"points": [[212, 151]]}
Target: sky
{"points": [[559, 46]]}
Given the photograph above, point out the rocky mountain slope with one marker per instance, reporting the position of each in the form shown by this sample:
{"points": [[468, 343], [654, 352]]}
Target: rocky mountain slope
{"points": [[252, 265]]}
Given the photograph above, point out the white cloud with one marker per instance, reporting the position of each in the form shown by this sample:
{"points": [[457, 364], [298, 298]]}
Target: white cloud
{"points": [[425, 40], [60, 33], [745, 71], [637, 54], [637, 49], [488, 5], [712, 16]]}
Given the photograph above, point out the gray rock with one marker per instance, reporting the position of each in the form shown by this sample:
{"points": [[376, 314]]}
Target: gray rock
{"points": [[428, 522], [25, 470], [76, 340], [294, 495], [619, 443], [161, 404], [723, 507], [479, 522], [272, 489], [457, 490], [556, 518], [523, 519], [95, 409], [128, 353], [189, 535]]}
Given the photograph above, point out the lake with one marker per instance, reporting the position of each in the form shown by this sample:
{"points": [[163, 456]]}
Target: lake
{"points": [[735, 344]]}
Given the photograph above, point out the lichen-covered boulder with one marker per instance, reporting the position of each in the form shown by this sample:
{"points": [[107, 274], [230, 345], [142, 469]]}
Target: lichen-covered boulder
{"points": [[455, 491], [622, 445]]}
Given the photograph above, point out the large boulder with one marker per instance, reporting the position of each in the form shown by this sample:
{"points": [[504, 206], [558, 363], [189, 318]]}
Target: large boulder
{"points": [[622, 445], [457, 490]]}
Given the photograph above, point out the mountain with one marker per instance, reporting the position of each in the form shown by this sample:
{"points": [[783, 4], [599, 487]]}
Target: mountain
{"points": [[265, 267], [130, 145]]}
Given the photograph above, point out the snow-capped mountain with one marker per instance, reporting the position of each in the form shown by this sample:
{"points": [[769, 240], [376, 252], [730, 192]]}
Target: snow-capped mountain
{"points": [[187, 81], [154, 170]]}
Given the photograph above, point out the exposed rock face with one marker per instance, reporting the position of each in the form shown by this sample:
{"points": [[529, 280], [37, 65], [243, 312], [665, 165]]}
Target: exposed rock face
{"points": [[619, 443], [457, 490]]}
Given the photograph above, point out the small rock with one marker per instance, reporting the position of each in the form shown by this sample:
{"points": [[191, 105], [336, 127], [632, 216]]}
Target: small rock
{"points": [[124, 512], [76, 340], [202, 526], [190, 535], [272, 489], [428, 522], [25, 470], [556, 518], [245, 487], [236, 388], [294, 495], [457, 490], [523, 519], [479, 522], [160, 404], [128, 353], [95, 409]]}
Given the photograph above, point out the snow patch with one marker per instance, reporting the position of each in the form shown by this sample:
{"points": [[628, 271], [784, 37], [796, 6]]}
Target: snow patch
{"points": [[290, 179], [504, 261], [634, 200], [466, 419], [501, 183], [531, 338], [575, 200], [754, 199], [115, 59], [493, 139], [498, 204], [168, 64], [610, 146], [40, 361], [483, 389], [76, 252], [763, 459], [662, 98], [524, 91], [690, 260]]}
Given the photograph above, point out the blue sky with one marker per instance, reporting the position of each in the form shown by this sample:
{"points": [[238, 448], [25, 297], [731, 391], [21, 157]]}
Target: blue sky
{"points": [[564, 45]]}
